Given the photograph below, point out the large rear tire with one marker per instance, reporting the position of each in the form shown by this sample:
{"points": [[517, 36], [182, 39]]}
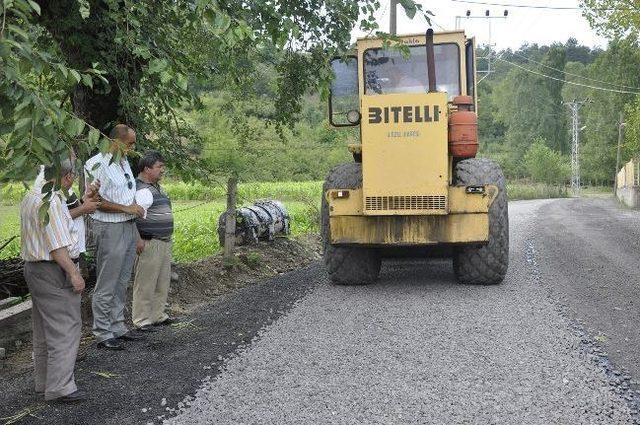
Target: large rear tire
{"points": [[484, 264], [347, 265]]}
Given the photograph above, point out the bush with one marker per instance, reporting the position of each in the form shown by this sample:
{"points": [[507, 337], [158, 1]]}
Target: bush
{"points": [[545, 165]]}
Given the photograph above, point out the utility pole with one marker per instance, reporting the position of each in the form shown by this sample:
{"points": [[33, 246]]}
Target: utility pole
{"points": [[488, 19], [574, 108], [618, 154], [393, 17]]}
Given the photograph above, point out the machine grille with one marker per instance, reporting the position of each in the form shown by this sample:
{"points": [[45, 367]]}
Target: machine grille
{"points": [[421, 202]]}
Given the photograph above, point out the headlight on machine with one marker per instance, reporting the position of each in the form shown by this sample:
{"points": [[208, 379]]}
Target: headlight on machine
{"points": [[353, 116]]}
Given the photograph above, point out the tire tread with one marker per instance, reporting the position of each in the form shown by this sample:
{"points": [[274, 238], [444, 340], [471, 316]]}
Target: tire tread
{"points": [[486, 264], [346, 265]]}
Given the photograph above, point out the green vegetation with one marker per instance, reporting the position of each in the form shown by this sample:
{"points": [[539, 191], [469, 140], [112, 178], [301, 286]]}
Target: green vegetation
{"points": [[196, 211], [521, 190], [12, 193], [197, 208], [545, 165], [524, 106], [70, 69], [9, 227]]}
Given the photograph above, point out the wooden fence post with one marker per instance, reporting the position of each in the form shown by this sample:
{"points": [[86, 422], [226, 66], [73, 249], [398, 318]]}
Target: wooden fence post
{"points": [[230, 224]]}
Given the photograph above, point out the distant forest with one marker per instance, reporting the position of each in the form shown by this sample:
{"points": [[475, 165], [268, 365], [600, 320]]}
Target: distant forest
{"points": [[524, 118]]}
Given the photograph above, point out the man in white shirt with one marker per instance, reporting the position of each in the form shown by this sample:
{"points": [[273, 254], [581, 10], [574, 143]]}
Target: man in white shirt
{"points": [[115, 235]]}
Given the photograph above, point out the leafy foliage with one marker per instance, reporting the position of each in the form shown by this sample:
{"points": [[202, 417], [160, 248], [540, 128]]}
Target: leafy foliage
{"points": [[521, 102], [613, 18], [72, 68], [34, 128], [546, 165]]}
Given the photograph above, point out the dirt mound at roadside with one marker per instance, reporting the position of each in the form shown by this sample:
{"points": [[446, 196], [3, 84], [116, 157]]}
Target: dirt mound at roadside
{"points": [[202, 281]]}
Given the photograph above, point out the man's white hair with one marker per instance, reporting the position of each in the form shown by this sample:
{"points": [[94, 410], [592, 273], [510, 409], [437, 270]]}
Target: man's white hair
{"points": [[66, 167]]}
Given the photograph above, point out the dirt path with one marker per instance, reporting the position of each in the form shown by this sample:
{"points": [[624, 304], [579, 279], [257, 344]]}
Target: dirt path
{"points": [[168, 365]]}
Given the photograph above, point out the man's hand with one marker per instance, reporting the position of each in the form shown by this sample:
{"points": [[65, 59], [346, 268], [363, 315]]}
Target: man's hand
{"points": [[135, 209], [92, 190], [140, 246], [77, 281], [89, 205]]}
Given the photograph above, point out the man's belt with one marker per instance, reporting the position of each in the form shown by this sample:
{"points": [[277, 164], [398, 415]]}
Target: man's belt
{"points": [[75, 261]]}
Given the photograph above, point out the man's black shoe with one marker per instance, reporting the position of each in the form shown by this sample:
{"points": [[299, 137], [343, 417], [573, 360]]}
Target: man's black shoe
{"points": [[74, 397], [167, 321], [111, 344], [146, 328], [130, 337]]}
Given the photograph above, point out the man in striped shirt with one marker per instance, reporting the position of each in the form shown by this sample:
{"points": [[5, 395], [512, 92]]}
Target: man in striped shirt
{"points": [[51, 253], [115, 234]]}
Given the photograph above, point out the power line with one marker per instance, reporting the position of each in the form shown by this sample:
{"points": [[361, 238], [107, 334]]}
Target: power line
{"points": [[272, 148], [531, 6], [565, 81], [190, 207], [575, 75], [432, 21]]}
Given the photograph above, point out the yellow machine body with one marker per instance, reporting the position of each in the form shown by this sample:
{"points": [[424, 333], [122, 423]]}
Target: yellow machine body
{"points": [[407, 197], [405, 163]]}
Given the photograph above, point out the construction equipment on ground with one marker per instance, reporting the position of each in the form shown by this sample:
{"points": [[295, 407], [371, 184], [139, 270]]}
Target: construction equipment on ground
{"points": [[415, 183], [261, 221]]}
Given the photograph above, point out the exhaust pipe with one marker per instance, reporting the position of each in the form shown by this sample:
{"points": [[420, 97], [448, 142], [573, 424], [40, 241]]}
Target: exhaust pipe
{"points": [[431, 65]]}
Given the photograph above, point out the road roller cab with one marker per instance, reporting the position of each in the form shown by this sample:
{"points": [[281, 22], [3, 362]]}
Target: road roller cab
{"points": [[415, 180]]}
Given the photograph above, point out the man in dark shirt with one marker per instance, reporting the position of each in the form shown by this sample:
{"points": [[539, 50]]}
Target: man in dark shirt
{"points": [[153, 266]]}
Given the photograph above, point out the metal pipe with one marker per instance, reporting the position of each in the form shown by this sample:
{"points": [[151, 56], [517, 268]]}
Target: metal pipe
{"points": [[431, 65], [260, 221]]}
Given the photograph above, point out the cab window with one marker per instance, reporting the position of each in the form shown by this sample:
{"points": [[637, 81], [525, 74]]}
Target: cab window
{"points": [[344, 102], [387, 71]]}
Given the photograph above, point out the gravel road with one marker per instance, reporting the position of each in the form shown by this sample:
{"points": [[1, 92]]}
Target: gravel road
{"points": [[556, 343], [418, 348]]}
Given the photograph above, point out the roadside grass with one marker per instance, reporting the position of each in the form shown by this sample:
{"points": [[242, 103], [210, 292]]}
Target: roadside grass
{"points": [[597, 191], [196, 229], [9, 227], [522, 190], [197, 208], [12, 193], [195, 234]]}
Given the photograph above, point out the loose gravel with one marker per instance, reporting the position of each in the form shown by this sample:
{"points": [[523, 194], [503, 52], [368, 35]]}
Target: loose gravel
{"points": [[417, 348], [151, 376]]}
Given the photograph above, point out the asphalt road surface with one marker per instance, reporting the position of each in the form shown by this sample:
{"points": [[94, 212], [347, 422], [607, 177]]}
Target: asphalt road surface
{"points": [[556, 343]]}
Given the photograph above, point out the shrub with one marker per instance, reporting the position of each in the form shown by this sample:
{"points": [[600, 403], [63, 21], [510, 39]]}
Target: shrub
{"points": [[545, 165]]}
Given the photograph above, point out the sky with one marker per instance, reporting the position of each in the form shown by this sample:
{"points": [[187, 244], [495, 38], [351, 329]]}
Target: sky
{"points": [[522, 25]]}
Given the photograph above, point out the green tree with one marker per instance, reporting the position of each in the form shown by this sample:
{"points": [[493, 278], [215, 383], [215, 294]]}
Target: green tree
{"points": [[631, 146], [613, 18], [69, 69], [545, 165], [616, 71], [526, 107]]}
